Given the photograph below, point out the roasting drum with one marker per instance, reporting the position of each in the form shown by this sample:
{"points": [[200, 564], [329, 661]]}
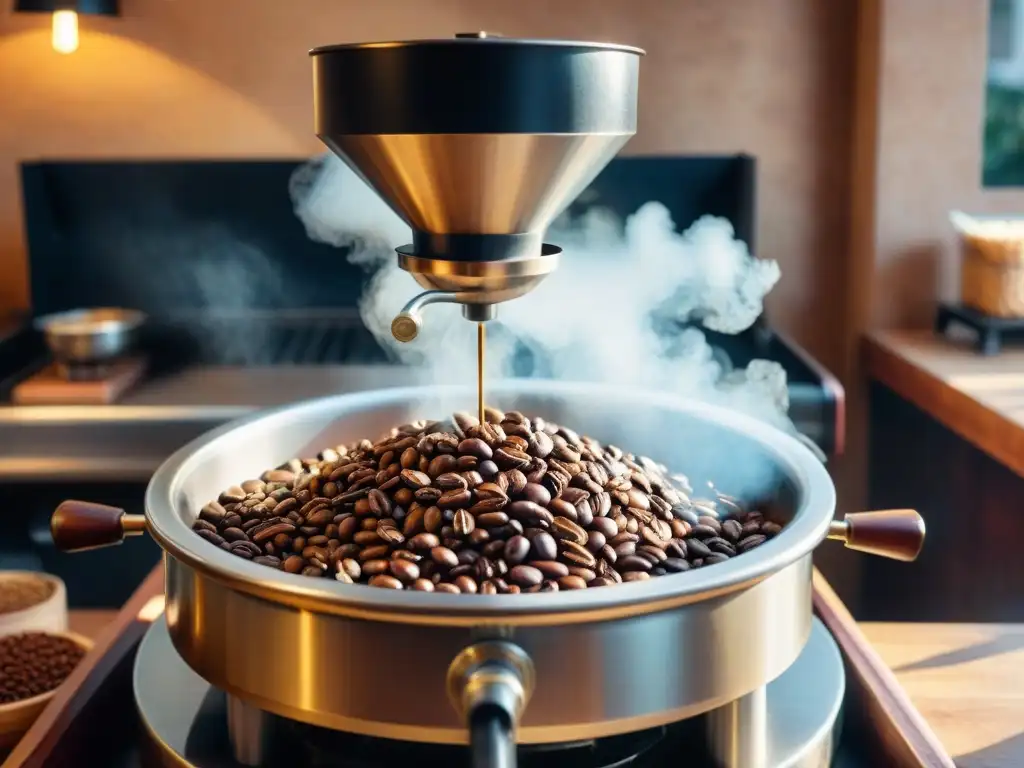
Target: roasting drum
{"points": [[607, 660]]}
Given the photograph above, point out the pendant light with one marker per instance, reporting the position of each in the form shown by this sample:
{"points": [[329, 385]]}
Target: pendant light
{"points": [[65, 17]]}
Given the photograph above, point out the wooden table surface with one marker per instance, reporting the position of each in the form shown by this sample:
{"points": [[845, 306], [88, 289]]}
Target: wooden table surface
{"points": [[966, 680], [979, 398]]}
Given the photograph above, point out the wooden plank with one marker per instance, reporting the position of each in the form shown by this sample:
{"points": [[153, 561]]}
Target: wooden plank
{"points": [[966, 680], [905, 736], [979, 398], [90, 623]]}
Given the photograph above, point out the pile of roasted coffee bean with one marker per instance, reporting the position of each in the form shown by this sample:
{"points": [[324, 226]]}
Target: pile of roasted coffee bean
{"points": [[511, 505], [35, 662]]}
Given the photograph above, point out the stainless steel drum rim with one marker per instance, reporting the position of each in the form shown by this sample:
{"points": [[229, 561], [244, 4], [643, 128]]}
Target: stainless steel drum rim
{"points": [[166, 519], [485, 39]]}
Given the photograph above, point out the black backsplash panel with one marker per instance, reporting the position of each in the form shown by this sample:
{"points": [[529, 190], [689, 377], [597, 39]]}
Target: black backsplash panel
{"points": [[178, 236]]}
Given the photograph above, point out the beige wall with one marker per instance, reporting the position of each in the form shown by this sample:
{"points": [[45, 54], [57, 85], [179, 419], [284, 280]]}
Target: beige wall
{"points": [[230, 77]]}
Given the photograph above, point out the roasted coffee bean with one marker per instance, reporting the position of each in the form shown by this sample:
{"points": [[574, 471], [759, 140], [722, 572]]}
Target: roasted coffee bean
{"points": [[516, 549], [444, 557], [537, 493], [720, 545], [633, 563], [526, 575], [203, 525], [213, 512], [552, 569], [566, 530], [543, 546], [697, 549], [451, 481], [404, 570], [750, 542], [212, 537], [454, 499], [433, 519], [463, 523], [492, 519], [415, 479], [572, 582], [577, 554], [474, 446], [731, 530], [584, 573], [424, 541], [385, 581], [529, 513], [606, 526]]}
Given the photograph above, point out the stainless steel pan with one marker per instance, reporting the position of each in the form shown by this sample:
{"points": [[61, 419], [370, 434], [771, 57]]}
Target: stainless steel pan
{"points": [[597, 662]]}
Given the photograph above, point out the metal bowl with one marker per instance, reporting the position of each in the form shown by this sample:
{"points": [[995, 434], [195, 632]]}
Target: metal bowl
{"points": [[85, 336], [607, 660]]}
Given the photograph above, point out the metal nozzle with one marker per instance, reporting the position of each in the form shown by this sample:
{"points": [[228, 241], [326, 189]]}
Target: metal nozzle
{"points": [[407, 323]]}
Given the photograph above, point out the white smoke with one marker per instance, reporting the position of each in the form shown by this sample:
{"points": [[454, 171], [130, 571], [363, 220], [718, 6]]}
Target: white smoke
{"points": [[610, 313]]}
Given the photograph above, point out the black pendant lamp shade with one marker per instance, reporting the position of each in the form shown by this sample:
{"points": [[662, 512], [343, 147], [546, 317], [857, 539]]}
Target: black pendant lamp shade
{"points": [[83, 7]]}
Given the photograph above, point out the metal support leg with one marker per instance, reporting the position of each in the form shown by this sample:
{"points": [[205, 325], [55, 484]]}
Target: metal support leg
{"points": [[738, 732], [249, 732]]}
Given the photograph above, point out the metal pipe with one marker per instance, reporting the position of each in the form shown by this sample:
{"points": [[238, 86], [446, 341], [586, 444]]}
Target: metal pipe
{"points": [[407, 323], [490, 738]]}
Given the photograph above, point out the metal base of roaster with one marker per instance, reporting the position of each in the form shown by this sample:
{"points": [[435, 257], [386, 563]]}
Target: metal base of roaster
{"points": [[792, 723]]}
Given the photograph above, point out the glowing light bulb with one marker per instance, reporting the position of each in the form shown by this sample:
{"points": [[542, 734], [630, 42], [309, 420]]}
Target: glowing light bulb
{"points": [[65, 31]]}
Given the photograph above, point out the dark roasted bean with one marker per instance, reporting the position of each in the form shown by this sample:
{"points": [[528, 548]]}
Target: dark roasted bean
{"points": [[572, 582], [526, 575], [543, 546], [750, 542]]}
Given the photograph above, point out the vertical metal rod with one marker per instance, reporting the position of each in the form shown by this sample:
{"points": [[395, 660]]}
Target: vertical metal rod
{"points": [[249, 731], [738, 732], [481, 339]]}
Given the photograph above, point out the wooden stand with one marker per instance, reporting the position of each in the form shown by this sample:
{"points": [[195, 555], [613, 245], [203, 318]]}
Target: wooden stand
{"points": [[92, 718], [51, 386], [991, 331]]}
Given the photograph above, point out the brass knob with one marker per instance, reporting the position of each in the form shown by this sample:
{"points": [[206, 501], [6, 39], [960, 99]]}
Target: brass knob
{"points": [[894, 533], [406, 326]]}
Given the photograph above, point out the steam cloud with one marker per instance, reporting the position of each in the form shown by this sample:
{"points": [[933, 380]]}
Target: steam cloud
{"points": [[611, 313]]}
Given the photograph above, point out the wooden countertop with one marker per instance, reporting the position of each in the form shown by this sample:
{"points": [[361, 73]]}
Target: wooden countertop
{"points": [[979, 398], [966, 680]]}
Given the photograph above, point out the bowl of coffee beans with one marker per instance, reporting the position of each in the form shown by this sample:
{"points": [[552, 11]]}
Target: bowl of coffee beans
{"points": [[31, 601], [33, 665]]}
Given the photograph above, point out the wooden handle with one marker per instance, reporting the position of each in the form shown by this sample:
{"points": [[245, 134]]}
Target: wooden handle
{"points": [[894, 533], [80, 525]]}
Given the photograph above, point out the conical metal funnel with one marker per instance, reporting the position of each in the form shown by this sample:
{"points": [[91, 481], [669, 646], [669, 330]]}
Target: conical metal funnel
{"points": [[478, 143]]}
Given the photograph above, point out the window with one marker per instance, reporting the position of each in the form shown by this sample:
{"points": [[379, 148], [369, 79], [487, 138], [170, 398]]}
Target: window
{"points": [[1002, 30]]}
